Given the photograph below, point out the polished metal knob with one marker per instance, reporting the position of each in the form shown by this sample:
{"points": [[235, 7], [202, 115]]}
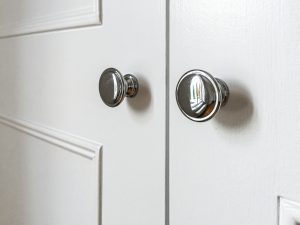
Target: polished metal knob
{"points": [[200, 96], [113, 87]]}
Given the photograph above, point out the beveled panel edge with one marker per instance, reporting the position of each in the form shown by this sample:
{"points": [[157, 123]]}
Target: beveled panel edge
{"points": [[75, 144], [288, 211], [76, 18]]}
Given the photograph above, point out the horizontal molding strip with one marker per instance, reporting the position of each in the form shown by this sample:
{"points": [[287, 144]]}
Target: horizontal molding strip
{"points": [[88, 14], [78, 145]]}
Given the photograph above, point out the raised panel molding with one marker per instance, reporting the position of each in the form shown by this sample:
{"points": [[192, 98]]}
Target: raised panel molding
{"points": [[81, 146], [289, 212], [38, 16]]}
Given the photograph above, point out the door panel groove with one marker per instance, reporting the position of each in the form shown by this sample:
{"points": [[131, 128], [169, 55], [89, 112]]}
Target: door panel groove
{"points": [[167, 122]]}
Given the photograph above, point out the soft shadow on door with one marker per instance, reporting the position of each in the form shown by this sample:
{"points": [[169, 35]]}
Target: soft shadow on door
{"points": [[238, 112]]}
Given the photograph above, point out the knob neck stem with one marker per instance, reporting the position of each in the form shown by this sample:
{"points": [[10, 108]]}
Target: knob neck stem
{"points": [[224, 90], [132, 85]]}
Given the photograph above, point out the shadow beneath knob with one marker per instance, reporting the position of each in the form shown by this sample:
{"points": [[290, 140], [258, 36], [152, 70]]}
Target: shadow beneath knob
{"points": [[142, 100], [238, 111]]}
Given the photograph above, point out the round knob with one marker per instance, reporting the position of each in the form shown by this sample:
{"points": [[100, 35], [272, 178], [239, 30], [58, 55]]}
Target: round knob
{"points": [[199, 95], [113, 87]]}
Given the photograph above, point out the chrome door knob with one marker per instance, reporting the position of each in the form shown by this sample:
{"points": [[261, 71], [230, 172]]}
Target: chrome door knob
{"points": [[199, 95], [113, 87]]}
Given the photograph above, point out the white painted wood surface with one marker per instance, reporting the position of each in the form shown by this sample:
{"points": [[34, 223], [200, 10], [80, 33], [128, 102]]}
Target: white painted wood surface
{"points": [[29, 16], [43, 183], [51, 79], [232, 169]]}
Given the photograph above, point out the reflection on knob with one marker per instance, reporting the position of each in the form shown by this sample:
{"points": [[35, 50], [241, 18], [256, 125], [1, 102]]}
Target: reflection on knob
{"points": [[199, 95], [113, 87]]}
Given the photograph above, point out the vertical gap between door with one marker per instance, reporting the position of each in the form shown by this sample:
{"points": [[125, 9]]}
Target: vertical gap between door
{"points": [[167, 138]]}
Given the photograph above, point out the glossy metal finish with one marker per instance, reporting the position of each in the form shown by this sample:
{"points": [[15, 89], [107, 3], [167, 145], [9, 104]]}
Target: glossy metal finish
{"points": [[113, 87], [199, 95]]}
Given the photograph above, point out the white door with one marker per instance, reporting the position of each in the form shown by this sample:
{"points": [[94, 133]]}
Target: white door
{"points": [[233, 169], [65, 157]]}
